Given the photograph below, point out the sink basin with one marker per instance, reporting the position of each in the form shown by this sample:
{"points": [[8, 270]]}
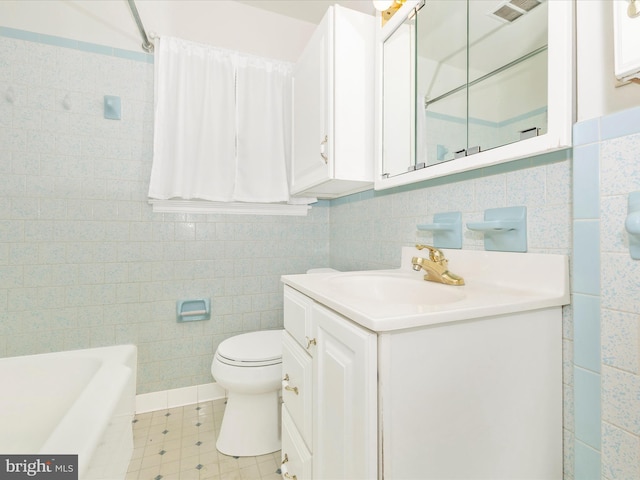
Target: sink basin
{"points": [[496, 283], [398, 289]]}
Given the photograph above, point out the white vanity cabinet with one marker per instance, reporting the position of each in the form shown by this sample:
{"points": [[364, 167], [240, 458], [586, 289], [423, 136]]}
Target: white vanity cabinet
{"points": [[329, 413], [408, 379], [480, 399], [333, 81], [412, 403]]}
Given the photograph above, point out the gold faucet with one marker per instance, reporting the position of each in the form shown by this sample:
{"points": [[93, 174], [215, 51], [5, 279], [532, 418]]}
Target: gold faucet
{"points": [[435, 267]]}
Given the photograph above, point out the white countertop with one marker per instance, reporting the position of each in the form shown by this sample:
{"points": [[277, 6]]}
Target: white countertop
{"points": [[496, 283]]}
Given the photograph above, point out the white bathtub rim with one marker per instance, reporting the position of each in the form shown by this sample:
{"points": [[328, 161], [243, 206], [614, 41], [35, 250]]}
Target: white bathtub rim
{"points": [[113, 385], [95, 405], [37, 395], [119, 353]]}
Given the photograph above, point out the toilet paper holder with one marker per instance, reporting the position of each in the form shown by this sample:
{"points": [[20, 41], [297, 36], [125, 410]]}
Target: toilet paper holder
{"points": [[193, 310]]}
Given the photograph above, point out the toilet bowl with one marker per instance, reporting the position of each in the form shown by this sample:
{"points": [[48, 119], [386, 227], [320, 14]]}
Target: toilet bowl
{"points": [[249, 368]]}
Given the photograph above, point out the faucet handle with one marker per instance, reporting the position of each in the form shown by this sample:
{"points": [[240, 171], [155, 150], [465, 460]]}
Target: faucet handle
{"points": [[435, 254]]}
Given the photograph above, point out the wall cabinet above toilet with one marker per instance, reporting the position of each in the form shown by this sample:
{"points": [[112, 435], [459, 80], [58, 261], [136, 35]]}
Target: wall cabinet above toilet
{"points": [[333, 82]]}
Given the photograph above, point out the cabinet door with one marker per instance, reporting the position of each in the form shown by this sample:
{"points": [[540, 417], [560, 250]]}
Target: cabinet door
{"points": [[345, 437], [311, 153]]}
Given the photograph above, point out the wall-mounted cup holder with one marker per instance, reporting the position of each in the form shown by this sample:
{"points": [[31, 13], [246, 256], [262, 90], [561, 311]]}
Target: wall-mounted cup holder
{"points": [[632, 224], [446, 228], [505, 229]]}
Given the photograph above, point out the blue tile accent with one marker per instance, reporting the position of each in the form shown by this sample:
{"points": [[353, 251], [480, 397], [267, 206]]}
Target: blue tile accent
{"points": [[94, 48], [524, 116], [75, 44], [586, 132], [626, 122], [18, 34], [131, 55], [586, 257], [587, 406], [587, 463], [586, 332], [586, 181], [58, 41]]}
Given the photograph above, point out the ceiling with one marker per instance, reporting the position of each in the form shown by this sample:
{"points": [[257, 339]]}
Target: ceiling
{"points": [[308, 10]]}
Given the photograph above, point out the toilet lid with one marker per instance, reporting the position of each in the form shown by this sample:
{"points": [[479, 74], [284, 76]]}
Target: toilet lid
{"points": [[261, 348]]}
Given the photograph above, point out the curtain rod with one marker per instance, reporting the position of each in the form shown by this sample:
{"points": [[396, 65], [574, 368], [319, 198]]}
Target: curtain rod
{"points": [[147, 46]]}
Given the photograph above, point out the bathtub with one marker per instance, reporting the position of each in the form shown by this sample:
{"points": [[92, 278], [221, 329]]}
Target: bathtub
{"points": [[78, 402]]}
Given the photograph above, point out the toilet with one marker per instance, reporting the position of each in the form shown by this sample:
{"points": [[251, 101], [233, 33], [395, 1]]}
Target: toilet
{"points": [[249, 368]]}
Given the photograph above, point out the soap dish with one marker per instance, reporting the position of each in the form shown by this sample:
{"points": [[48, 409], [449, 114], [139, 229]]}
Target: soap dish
{"points": [[505, 229]]}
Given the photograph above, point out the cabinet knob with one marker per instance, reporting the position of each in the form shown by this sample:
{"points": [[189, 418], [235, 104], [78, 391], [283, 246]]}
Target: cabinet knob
{"points": [[283, 469], [286, 386], [310, 341], [286, 474], [323, 149]]}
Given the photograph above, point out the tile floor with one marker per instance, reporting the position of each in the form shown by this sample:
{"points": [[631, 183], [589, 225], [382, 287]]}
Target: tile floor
{"points": [[179, 444]]}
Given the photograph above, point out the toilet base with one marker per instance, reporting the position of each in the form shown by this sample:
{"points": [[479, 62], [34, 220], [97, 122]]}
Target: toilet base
{"points": [[250, 425]]}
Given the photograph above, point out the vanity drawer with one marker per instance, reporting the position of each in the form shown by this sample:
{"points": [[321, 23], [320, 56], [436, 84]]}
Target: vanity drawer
{"points": [[297, 393], [296, 458], [297, 318]]}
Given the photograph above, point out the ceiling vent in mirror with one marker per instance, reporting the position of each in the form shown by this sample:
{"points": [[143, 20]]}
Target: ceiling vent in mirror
{"points": [[526, 5], [511, 11]]}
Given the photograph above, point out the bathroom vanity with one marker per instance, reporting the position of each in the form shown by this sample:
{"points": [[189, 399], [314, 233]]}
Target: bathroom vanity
{"points": [[389, 376]]}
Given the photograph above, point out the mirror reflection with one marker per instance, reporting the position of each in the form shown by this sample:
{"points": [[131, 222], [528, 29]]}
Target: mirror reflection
{"points": [[462, 77]]}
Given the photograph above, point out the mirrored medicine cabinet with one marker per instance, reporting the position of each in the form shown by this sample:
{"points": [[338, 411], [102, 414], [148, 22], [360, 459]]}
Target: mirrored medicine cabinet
{"points": [[466, 84]]}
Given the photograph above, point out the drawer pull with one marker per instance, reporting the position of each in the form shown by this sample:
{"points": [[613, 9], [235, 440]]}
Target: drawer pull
{"points": [[285, 459], [310, 341], [286, 386]]}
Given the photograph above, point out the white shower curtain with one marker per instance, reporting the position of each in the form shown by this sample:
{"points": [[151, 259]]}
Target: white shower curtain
{"points": [[220, 124]]}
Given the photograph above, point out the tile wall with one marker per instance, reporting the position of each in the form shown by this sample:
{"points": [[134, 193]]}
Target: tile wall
{"points": [[368, 229], [83, 260], [606, 302]]}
